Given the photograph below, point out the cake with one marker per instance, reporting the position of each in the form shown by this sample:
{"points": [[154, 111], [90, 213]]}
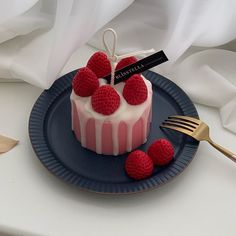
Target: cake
{"points": [[110, 118], [114, 134]]}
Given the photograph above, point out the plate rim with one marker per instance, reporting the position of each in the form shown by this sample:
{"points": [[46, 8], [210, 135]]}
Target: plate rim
{"points": [[56, 167]]}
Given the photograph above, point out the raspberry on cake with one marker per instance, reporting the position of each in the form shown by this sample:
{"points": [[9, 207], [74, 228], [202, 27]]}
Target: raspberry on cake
{"points": [[135, 90], [125, 62], [99, 64], [105, 100], [85, 82]]}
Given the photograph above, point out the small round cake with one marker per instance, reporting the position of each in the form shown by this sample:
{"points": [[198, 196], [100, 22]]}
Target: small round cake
{"points": [[110, 120]]}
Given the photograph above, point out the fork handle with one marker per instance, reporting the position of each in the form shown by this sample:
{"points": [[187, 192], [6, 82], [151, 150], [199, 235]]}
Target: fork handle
{"points": [[223, 150]]}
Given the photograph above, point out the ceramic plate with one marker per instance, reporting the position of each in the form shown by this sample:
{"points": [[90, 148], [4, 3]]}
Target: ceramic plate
{"points": [[57, 148]]}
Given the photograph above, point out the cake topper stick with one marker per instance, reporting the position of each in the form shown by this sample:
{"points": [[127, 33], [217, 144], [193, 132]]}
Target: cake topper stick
{"points": [[111, 52]]}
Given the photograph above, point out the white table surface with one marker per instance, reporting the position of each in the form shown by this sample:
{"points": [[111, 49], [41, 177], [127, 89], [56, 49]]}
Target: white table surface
{"points": [[201, 201]]}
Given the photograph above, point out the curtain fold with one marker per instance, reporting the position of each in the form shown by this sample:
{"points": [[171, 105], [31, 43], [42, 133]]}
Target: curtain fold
{"points": [[38, 37]]}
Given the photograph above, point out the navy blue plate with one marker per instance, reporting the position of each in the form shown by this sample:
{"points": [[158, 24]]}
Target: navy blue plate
{"points": [[57, 148]]}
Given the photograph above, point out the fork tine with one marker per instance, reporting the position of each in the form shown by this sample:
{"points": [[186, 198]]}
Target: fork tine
{"points": [[178, 125], [182, 122], [186, 118], [182, 130]]}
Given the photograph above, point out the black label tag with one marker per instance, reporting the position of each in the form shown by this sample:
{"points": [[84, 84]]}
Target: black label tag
{"points": [[138, 67]]}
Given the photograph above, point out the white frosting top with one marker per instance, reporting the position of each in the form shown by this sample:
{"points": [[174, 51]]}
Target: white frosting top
{"points": [[125, 111]]}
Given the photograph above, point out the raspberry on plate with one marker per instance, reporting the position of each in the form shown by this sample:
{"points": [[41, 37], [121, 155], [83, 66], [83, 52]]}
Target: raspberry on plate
{"points": [[135, 90], [161, 152], [139, 165], [99, 64], [85, 82], [105, 100]]}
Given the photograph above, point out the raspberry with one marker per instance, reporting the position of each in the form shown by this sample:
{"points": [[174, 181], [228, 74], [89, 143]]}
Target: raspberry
{"points": [[85, 82], [161, 152], [135, 90], [99, 64], [105, 100], [138, 165], [125, 62]]}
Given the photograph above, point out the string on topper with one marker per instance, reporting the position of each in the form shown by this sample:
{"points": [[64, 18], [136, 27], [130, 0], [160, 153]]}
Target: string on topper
{"points": [[111, 52]]}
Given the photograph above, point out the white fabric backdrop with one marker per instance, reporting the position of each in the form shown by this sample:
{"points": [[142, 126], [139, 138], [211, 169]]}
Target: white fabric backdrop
{"points": [[38, 37]]}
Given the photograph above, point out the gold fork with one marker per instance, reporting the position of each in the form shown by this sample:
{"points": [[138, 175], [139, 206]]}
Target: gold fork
{"points": [[196, 129]]}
